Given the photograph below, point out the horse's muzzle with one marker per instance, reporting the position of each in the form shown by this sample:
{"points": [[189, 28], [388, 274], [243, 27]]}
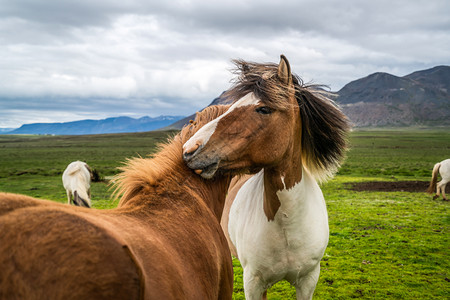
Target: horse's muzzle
{"points": [[202, 163]]}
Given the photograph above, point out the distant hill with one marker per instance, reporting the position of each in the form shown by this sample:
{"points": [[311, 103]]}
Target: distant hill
{"points": [[110, 125], [382, 99], [421, 98], [5, 130]]}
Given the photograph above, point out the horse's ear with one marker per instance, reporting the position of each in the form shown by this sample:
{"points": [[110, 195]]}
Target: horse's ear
{"points": [[284, 70]]}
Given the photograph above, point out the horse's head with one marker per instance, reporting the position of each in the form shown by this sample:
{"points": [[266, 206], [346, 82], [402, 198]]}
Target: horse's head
{"points": [[274, 121], [258, 128]]}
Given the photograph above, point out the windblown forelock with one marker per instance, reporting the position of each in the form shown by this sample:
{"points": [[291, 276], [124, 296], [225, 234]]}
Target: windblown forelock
{"points": [[262, 80]]}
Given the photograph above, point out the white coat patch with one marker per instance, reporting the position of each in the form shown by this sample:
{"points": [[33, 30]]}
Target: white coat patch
{"points": [[207, 131]]}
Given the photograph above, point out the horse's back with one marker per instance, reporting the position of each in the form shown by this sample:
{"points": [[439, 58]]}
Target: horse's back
{"points": [[10, 202], [76, 166], [48, 252]]}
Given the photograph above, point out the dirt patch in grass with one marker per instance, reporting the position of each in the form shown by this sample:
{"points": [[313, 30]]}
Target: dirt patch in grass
{"points": [[392, 186]]}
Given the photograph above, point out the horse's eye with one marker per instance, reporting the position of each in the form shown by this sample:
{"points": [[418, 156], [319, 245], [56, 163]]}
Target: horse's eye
{"points": [[264, 110]]}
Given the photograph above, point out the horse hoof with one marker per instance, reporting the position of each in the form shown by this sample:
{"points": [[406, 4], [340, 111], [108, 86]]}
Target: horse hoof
{"points": [[435, 197]]}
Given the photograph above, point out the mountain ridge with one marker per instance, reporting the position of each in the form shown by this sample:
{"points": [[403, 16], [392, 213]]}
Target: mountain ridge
{"points": [[421, 98], [120, 124]]}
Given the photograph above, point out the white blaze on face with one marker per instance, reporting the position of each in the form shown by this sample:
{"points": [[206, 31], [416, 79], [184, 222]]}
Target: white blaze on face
{"points": [[202, 136]]}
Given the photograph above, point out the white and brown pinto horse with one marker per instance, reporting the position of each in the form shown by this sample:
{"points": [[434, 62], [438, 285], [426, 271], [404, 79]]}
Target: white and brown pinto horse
{"points": [[292, 136], [164, 241], [442, 168], [76, 180]]}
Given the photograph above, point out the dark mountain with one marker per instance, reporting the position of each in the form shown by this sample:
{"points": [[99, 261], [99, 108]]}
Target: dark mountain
{"points": [[437, 77], [382, 99], [110, 125]]}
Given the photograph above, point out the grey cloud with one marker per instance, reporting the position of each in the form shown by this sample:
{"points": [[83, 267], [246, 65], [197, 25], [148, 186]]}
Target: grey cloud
{"points": [[174, 56]]}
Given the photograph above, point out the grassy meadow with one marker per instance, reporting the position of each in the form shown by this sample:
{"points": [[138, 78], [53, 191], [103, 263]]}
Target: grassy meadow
{"points": [[383, 245]]}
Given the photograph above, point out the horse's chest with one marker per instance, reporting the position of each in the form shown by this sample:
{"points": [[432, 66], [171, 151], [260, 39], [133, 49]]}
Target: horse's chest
{"points": [[294, 240], [295, 237], [291, 250]]}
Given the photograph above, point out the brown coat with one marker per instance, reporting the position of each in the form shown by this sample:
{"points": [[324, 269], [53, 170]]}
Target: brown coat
{"points": [[164, 241]]}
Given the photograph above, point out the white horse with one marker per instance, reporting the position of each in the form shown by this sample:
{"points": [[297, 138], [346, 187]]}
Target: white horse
{"points": [[77, 182], [442, 168]]}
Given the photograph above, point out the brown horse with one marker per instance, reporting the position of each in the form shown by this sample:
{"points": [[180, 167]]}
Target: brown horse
{"points": [[164, 240], [293, 135]]}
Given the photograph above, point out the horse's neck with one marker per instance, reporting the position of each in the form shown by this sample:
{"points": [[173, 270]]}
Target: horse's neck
{"points": [[300, 196], [281, 177], [194, 191], [149, 182], [212, 192], [289, 191]]}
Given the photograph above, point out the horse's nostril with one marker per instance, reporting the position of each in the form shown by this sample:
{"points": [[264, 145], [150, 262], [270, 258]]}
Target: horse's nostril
{"points": [[186, 155], [190, 150]]}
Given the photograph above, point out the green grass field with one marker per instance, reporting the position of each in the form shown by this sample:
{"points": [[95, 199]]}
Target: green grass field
{"points": [[383, 245]]}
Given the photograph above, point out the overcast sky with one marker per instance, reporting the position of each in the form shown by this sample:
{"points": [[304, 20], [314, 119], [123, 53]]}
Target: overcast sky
{"points": [[66, 60]]}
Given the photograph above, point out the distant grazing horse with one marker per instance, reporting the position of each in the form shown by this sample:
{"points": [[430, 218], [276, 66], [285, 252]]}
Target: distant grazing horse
{"points": [[77, 182], [443, 168], [294, 135], [164, 241]]}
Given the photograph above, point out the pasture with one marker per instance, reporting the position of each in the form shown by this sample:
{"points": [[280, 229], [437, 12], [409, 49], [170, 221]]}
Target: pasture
{"points": [[383, 244]]}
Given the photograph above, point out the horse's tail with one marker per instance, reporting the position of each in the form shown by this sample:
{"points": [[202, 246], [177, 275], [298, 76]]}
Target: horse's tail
{"points": [[79, 201], [432, 187]]}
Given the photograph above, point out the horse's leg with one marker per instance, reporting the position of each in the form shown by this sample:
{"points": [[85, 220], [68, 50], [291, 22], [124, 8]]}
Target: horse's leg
{"points": [[69, 196], [438, 190], [306, 284], [253, 285], [443, 185]]}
